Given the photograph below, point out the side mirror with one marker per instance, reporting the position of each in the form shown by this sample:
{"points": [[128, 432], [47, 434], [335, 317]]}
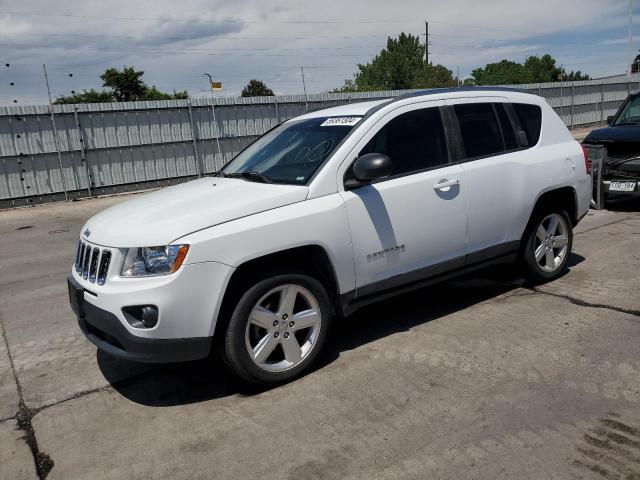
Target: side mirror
{"points": [[372, 166], [610, 119]]}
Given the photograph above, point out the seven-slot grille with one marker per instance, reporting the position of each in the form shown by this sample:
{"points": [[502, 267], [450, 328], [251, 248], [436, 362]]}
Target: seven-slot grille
{"points": [[92, 263]]}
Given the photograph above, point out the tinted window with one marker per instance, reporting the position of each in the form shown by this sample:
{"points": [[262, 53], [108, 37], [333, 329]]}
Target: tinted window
{"points": [[509, 136], [530, 117], [479, 128], [292, 152], [414, 141]]}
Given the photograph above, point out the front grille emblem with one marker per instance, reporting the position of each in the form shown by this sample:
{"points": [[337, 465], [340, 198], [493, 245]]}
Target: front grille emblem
{"points": [[87, 232]]}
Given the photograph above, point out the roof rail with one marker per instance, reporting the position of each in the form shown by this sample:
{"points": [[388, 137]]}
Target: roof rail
{"points": [[435, 91]]}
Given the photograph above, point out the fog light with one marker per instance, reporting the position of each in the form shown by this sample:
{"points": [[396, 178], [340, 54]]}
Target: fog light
{"points": [[149, 316], [144, 316]]}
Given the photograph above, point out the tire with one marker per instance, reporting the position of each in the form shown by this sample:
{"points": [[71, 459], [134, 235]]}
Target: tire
{"points": [[552, 248], [272, 318]]}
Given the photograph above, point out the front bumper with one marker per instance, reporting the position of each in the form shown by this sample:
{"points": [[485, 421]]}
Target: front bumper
{"points": [[107, 332]]}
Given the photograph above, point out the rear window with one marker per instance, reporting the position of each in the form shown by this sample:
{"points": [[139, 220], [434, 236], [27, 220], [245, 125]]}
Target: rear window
{"points": [[479, 128], [530, 117]]}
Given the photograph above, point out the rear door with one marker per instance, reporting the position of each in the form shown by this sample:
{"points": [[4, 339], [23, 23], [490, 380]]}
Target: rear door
{"points": [[494, 175]]}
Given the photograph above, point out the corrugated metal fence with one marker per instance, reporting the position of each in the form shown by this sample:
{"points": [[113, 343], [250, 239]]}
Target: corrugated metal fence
{"points": [[107, 148]]}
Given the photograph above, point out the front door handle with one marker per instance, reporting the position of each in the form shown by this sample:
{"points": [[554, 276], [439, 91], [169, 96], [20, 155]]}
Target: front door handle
{"points": [[442, 184]]}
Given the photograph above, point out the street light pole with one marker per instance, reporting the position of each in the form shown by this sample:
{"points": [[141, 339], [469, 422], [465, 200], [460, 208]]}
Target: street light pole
{"points": [[213, 110], [630, 41], [56, 141]]}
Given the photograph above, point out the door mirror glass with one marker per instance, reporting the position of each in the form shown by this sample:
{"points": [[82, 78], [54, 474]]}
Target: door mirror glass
{"points": [[610, 119], [372, 166]]}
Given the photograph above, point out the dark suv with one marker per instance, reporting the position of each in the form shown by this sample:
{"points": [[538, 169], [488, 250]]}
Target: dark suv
{"points": [[621, 139]]}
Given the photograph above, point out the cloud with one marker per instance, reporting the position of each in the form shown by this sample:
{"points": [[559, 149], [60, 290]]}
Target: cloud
{"points": [[175, 42]]}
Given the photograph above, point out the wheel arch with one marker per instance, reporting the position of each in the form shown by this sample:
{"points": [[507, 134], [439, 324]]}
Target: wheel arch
{"points": [[311, 259], [565, 196]]}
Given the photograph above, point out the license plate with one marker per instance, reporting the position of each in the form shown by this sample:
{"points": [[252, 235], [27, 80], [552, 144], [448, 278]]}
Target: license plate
{"points": [[622, 186], [76, 299]]}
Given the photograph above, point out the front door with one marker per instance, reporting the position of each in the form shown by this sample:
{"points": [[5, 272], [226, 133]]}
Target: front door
{"points": [[414, 223]]}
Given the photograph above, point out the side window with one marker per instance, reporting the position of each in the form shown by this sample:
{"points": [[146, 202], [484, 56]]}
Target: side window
{"points": [[530, 117], [508, 134], [413, 141], [479, 128]]}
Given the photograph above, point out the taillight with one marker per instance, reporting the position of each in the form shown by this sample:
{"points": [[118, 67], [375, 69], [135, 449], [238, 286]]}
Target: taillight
{"points": [[587, 162]]}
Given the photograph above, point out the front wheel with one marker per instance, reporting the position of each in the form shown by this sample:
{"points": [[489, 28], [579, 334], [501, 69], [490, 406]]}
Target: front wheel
{"points": [[548, 241], [277, 328]]}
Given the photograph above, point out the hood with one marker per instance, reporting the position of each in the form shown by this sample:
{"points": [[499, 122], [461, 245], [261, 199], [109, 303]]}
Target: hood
{"points": [[160, 217], [622, 134]]}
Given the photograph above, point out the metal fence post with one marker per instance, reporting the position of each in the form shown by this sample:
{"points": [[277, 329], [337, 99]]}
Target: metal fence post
{"points": [[561, 100], [602, 103], [215, 131], [199, 168], [573, 101], [83, 154], [275, 99], [56, 141]]}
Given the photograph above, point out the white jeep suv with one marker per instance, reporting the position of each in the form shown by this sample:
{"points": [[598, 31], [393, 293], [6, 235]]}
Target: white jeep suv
{"points": [[325, 213]]}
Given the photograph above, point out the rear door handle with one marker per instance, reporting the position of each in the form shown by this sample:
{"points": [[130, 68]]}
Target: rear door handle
{"points": [[446, 184]]}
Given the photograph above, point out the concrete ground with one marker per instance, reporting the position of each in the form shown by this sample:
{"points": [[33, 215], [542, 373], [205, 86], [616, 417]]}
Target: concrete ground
{"points": [[475, 378]]}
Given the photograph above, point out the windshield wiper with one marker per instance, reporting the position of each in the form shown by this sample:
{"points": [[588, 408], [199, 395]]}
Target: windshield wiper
{"points": [[252, 176], [220, 173]]}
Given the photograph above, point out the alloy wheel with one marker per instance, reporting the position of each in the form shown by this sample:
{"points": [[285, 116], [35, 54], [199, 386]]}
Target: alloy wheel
{"points": [[283, 328], [551, 243]]}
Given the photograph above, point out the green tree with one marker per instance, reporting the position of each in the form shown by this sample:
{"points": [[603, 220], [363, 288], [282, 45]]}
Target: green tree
{"points": [[434, 76], [542, 69], [575, 76], [635, 66], [87, 96], [504, 72], [395, 67], [126, 84], [534, 70], [256, 88], [399, 66], [152, 93]]}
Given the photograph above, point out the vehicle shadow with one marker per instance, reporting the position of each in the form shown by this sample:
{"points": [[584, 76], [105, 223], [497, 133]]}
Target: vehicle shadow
{"points": [[192, 382]]}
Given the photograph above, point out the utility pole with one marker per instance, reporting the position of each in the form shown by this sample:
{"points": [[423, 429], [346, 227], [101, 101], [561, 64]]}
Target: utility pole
{"points": [[630, 41], [213, 110], [55, 134], [304, 88], [458, 74], [426, 42]]}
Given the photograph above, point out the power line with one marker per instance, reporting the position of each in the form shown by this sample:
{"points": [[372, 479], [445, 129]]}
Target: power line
{"points": [[178, 19], [220, 36], [183, 51]]}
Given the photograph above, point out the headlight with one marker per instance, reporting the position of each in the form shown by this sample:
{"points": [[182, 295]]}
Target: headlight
{"points": [[152, 261]]}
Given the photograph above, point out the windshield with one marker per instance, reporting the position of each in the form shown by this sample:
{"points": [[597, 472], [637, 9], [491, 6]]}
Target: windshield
{"points": [[292, 152], [630, 114]]}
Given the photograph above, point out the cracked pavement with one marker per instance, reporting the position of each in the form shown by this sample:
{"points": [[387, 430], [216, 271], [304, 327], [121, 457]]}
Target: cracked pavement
{"points": [[480, 377]]}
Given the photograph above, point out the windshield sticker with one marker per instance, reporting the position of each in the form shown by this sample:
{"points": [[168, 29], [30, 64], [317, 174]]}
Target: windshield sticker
{"points": [[340, 122]]}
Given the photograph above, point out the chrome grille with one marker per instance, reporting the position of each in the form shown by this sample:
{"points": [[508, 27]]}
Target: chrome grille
{"points": [[92, 263]]}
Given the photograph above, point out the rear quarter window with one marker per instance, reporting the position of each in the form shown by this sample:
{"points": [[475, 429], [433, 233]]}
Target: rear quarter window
{"points": [[530, 117]]}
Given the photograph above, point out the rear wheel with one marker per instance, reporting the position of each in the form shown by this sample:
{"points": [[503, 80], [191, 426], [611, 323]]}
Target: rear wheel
{"points": [[548, 241], [277, 328]]}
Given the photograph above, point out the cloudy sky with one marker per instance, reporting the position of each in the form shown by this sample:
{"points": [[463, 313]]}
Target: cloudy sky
{"points": [[235, 40]]}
